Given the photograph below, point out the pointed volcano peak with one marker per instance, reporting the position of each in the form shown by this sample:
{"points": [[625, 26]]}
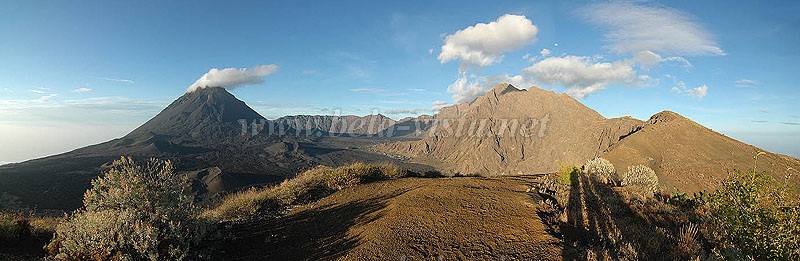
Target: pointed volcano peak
{"points": [[202, 109]]}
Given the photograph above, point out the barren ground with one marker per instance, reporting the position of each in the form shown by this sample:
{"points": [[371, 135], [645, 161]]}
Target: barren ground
{"points": [[406, 219]]}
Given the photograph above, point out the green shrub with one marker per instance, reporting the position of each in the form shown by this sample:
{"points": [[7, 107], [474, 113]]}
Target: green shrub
{"points": [[601, 170], [641, 179], [565, 172], [133, 212], [759, 217], [308, 186]]}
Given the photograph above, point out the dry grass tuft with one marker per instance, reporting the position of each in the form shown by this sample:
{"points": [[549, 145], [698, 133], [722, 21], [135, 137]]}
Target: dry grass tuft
{"points": [[306, 187], [16, 226], [687, 239]]}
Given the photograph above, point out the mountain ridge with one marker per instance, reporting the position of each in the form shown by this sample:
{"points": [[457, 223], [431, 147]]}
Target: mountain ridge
{"points": [[208, 134], [498, 153], [667, 142]]}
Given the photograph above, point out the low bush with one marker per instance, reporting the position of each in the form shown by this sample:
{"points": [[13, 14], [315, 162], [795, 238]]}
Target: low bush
{"points": [[308, 186], [641, 179], [751, 212], [133, 212], [601, 170], [565, 172]]}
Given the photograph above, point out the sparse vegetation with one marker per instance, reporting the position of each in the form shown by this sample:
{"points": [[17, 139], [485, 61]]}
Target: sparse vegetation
{"points": [[602, 170], [601, 222], [751, 217], [641, 179], [688, 243], [133, 212], [565, 172], [16, 226], [308, 186], [758, 216]]}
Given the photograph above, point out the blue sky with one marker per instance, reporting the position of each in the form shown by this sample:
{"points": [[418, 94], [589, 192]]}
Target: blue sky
{"points": [[74, 73]]}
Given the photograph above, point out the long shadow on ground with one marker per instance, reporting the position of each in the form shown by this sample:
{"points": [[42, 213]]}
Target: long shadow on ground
{"points": [[600, 219], [318, 233]]}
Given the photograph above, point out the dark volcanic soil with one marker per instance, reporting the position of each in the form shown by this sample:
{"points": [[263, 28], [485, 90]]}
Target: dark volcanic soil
{"points": [[405, 219]]}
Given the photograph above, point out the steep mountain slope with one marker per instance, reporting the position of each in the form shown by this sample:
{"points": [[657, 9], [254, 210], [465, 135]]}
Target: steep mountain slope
{"points": [[202, 133], [327, 124], [206, 112], [512, 131], [684, 154], [690, 157]]}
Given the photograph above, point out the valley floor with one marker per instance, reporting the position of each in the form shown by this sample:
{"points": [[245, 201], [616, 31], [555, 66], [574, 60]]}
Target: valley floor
{"points": [[406, 219]]}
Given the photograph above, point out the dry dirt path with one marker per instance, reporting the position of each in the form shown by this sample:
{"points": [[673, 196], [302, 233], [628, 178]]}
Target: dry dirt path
{"points": [[407, 219]]}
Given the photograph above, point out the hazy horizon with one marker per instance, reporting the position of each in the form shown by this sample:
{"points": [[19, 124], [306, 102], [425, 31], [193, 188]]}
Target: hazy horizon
{"points": [[85, 73]]}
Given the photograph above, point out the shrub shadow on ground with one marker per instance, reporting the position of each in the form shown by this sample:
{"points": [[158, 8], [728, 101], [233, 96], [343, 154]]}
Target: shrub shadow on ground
{"points": [[601, 222], [310, 233]]}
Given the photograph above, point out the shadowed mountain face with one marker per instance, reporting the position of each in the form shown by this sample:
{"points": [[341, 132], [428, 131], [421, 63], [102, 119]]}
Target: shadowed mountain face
{"points": [[349, 124], [202, 133], [203, 113]]}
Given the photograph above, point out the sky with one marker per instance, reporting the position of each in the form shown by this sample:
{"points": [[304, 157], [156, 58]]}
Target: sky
{"points": [[75, 73]]}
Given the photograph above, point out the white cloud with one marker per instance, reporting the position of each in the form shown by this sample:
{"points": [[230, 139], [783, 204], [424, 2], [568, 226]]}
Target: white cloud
{"points": [[484, 44], [81, 90], [366, 90], [680, 88], [684, 63], [16, 102], [467, 88], [376, 91], [647, 59], [45, 98], [438, 105], [39, 91], [231, 78], [680, 85], [633, 28], [746, 83], [119, 80], [464, 90], [10, 102], [545, 52], [403, 111], [697, 92], [582, 75]]}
